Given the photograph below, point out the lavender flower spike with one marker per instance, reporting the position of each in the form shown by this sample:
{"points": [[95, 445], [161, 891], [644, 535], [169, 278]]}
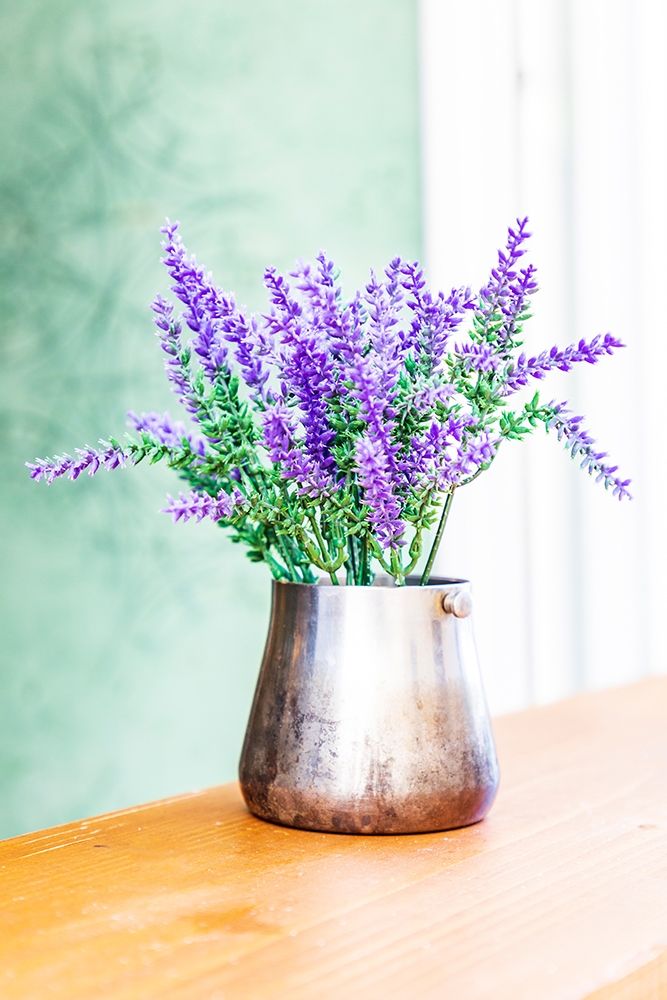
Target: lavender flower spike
{"points": [[214, 318], [283, 449], [479, 357], [196, 505], [169, 333], [166, 431], [519, 374], [580, 444], [503, 299], [375, 451], [384, 301], [204, 304], [90, 460], [376, 480], [435, 317], [308, 375]]}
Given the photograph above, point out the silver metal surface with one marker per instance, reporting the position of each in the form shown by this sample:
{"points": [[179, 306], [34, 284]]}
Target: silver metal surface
{"points": [[458, 602], [369, 714]]}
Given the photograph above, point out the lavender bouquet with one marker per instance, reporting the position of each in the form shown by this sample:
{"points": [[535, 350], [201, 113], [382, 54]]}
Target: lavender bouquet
{"points": [[330, 434]]}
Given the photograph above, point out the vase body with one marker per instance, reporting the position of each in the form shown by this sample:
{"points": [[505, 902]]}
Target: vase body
{"points": [[369, 714]]}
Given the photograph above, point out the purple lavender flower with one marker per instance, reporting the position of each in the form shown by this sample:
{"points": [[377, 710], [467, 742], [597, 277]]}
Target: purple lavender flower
{"points": [[580, 444], [430, 395], [435, 318], [307, 374], [166, 431], [253, 344], [384, 302], [520, 373], [91, 460], [322, 297], [169, 333], [419, 465], [377, 481], [279, 431], [204, 304], [311, 479], [375, 451], [479, 450], [506, 293], [520, 290], [280, 440], [449, 452], [194, 505], [214, 318], [480, 357]]}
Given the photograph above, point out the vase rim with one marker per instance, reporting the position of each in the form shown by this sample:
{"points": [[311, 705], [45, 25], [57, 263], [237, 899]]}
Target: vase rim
{"points": [[381, 582]]}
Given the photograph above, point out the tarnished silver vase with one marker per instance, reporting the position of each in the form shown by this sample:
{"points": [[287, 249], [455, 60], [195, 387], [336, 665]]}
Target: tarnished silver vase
{"points": [[369, 714]]}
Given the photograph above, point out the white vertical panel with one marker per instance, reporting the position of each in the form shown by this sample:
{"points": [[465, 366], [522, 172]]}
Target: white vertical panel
{"points": [[471, 193], [545, 165], [651, 236], [558, 110], [605, 60]]}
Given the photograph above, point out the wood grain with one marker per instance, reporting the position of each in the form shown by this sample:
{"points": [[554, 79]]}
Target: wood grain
{"points": [[560, 893]]}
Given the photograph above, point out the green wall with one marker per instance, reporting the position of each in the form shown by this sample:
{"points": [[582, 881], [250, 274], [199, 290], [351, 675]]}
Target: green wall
{"points": [[129, 645]]}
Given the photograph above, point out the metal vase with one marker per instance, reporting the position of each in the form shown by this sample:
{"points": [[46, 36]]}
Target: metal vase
{"points": [[369, 714]]}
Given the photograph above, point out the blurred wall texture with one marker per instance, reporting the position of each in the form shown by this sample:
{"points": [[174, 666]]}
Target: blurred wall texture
{"points": [[130, 646]]}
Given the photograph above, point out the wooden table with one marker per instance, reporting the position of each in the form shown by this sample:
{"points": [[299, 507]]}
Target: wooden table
{"points": [[560, 893]]}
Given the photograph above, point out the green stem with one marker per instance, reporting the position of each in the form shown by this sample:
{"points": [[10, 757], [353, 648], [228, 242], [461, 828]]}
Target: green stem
{"points": [[415, 551], [301, 564], [277, 568], [320, 538], [397, 568], [362, 574], [283, 548], [351, 563], [325, 556], [379, 555], [436, 541]]}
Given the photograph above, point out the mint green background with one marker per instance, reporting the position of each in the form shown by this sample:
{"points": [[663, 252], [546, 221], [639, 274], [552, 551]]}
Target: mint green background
{"points": [[130, 646]]}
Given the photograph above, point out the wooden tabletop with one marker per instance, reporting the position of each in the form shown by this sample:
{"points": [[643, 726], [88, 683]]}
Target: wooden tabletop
{"points": [[560, 893]]}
